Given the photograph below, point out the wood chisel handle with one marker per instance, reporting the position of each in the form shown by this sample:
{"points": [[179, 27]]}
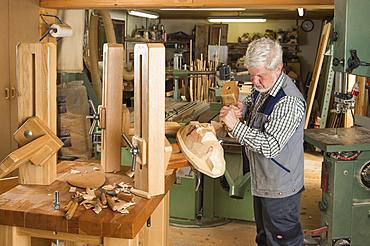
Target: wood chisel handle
{"points": [[71, 211], [141, 193]]}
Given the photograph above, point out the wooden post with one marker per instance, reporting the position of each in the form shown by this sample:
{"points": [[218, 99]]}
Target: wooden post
{"points": [[9, 236], [111, 109], [36, 82], [149, 115]]}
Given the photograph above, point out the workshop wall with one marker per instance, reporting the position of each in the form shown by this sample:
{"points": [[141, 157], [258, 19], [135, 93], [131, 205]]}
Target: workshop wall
{"points": [[131, 23], [308, 41]]}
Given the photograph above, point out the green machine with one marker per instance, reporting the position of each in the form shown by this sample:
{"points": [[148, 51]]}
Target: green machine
{"points": [[351, 37], [345, 183], [197, 200]]}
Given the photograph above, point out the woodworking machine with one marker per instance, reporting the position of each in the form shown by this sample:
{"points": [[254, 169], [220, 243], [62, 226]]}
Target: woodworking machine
{"points": [[345, 184], [197, 200], [351, 52], [345, 179]]}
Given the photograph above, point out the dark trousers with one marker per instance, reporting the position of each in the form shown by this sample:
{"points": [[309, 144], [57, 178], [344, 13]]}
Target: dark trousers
{"points": [[277, 221]]}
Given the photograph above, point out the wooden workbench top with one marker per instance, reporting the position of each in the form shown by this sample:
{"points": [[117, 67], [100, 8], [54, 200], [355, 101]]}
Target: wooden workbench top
{"points": [[31, 206]]}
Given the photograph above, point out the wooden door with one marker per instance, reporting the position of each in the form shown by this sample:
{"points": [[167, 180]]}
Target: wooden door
{"points": [[218, 34], [23, 27], [4, 81]]}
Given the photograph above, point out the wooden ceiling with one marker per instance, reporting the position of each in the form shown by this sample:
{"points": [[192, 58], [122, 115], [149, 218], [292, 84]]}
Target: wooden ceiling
{"points": [[270, 9], [156, 4], [285, 14]]}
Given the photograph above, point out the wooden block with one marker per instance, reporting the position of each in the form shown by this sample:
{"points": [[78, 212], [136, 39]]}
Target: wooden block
{"points": [[149, 115], [26, 153], [36, 82], [112, 103], [37, 128], [34, 150], [230, 93], [8, 183], [171, 127]]}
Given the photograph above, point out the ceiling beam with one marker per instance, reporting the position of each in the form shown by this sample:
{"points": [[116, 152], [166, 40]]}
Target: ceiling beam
{"points": [[110, 4]]}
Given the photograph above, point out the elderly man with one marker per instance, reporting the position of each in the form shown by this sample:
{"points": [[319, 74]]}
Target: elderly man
{"points": [[272, 133]]}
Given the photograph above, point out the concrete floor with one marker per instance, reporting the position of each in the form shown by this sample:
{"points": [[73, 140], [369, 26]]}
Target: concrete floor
{"points": [[241, 233]]}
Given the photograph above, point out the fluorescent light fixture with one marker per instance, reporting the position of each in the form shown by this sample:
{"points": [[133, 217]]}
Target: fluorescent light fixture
{"points": [[203, 9], [231, 19], [143, 14], [300, 11]]}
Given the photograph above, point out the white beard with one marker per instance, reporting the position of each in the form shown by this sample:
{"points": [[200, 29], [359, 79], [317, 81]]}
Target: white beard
{"points": [[264, 90]]}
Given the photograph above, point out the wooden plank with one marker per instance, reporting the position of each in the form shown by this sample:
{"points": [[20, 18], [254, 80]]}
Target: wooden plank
{"points": [[157, 233], [362, 100], [36, 69], [110, 241], [78, 4], [112, 103], [60, 235], [317, 69], [218, 34], [348, 118], [201, 44], [150, 114], [9, 237], [8, 183]]}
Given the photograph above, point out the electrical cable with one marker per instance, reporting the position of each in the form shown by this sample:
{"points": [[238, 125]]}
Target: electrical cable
{"points": [[48, 25]]}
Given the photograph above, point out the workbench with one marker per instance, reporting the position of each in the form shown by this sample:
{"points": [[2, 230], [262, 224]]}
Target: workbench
{"points": [[27, 210]]}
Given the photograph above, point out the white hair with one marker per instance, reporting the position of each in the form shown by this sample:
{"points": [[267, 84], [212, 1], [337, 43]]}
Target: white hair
{"points": [[264, 52]]}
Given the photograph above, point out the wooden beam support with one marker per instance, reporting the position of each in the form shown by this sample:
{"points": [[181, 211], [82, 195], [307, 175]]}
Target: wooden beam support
{"points": [[9, 236], [81, 4], [36, 82], [317, 70], [149, 115], [112, 105]]}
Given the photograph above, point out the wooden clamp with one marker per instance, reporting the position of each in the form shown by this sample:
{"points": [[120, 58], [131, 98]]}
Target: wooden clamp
{"points": [[38, 143], [110, 110], [230, 93], [149, 81], [36, 84]]}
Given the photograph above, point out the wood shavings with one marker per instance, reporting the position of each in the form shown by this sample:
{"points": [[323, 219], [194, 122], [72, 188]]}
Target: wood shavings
{"points": [[96, 168], [117, 197], [97, 209], [108, 187], [75, 171], [88, 205]]}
